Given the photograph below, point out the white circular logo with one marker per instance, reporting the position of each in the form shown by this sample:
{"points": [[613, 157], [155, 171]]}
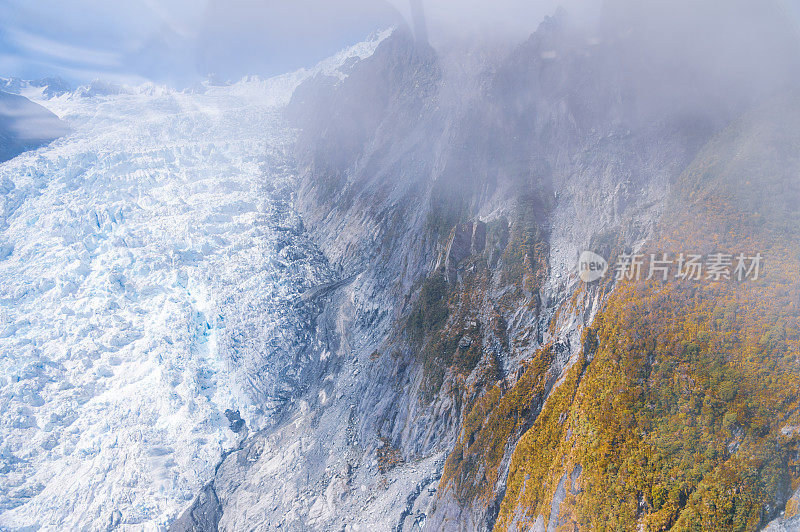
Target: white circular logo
{"points": [[591, 267]]}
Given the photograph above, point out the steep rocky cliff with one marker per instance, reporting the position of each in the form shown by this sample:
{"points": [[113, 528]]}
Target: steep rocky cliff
{"points": [[462, 377]]}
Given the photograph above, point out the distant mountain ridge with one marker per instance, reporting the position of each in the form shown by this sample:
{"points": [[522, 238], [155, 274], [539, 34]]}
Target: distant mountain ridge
{"points": [[47, 87]]}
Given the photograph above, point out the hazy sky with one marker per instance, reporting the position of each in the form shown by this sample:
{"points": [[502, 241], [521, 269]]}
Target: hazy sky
{"points": [[179, 40], [175, 40], [81, 39], [163, 39]]}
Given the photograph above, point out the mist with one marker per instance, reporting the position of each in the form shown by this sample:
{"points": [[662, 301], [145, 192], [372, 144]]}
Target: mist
{"points": [[179, 42], [347, 298], [504, 21]]}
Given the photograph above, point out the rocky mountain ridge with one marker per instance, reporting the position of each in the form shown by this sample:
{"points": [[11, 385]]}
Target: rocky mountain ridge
{"points": [[454, 208]]}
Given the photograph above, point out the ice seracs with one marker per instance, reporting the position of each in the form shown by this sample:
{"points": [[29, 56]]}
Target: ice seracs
{"points": [[150, 266]]}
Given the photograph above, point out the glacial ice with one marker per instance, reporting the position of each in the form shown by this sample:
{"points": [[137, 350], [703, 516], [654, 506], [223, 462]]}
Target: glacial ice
{"points": [[150, 271]]}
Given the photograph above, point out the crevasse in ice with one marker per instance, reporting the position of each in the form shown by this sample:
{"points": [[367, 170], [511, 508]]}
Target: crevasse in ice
{"points": [[150, 267]]}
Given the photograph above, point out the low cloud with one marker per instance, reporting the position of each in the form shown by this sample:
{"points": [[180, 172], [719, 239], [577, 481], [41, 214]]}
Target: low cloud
{"points": [[180, 41]]}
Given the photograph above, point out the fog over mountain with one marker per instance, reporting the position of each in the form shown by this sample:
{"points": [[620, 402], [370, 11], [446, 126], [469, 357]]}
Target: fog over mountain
{"points": [[387, 265], [178, 41]]}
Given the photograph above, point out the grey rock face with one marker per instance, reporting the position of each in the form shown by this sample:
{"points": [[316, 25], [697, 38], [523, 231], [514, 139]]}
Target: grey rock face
{"points": [[784, 525], [237, 424], [466, 239], [411, 165], [203, 515]]}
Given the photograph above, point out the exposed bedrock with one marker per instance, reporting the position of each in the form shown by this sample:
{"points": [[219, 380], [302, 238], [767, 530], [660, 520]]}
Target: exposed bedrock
{"points": [[453, 194]]}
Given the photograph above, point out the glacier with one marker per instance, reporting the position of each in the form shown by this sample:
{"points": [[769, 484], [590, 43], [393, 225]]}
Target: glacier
{"points": [[151, 277]]}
